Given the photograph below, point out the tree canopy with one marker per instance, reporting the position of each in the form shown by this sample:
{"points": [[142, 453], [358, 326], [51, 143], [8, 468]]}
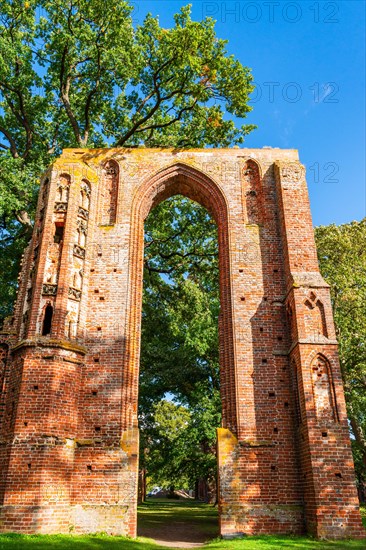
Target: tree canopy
{"points": [[76, 73], [180, 443]]}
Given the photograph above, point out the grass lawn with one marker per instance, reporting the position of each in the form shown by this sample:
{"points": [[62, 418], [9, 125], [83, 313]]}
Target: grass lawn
{"points": [[186, 520], [199, 517]]}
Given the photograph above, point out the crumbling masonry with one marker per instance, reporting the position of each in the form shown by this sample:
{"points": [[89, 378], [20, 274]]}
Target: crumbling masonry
{"points": [[70, 354]]}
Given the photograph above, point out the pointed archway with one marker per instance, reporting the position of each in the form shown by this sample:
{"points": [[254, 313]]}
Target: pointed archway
{"points": [[180, 179]]}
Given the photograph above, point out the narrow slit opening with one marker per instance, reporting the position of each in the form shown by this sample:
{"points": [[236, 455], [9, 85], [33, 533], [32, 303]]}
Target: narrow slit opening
{"points": [[47, 320]]}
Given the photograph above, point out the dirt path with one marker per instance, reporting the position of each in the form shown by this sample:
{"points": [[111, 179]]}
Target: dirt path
{"points": [[178, 524]]}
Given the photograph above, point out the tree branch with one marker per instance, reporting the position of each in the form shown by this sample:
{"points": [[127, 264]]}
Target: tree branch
{"points": [[167, 124], [13, 147], [64, 92], [89, 101]]}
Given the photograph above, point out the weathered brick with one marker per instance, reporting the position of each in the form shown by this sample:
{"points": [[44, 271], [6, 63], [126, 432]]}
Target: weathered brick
{"points": [[69, 434]]}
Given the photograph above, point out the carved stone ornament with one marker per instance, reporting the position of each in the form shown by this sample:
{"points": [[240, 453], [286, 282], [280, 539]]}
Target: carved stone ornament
{"points": [[79, 251], [82, 225], [60, 207], [49, 290], [83, 213], [74, 294], [85, 188]]}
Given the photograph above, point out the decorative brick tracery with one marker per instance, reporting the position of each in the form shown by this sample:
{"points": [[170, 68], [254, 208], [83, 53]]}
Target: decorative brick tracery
{"points": [[109, 192], [78, 261], [315, 321], [69, 433]]}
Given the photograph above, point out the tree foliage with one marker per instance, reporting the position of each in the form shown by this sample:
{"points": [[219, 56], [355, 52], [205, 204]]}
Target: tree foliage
{"points": [[181, 301], [76, 73], [181, 445], [342, 258], [179, 356]]}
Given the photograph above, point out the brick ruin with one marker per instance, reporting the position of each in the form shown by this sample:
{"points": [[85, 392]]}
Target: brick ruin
{"points": [[70, 354]]}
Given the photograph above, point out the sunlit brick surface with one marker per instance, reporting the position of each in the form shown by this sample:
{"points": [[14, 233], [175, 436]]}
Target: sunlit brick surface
{"points": [[69, 434]]}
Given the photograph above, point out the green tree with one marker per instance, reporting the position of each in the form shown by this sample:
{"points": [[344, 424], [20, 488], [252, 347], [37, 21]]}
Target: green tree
{"points": [[76, 73], [180, 340], [180, 303], [342, 257], [181, 448]]}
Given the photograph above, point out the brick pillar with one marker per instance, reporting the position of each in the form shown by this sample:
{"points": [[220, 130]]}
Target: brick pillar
{"points": [[38, 432], [41, 400], [330, 496]]}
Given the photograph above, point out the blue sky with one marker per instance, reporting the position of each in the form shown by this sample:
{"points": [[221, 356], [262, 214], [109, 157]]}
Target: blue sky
{"points": [[308, 61]]}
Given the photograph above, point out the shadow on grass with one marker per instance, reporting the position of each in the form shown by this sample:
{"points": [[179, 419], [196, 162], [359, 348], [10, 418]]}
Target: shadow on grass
{"points": [[178, 521], [285, 543], [13, 541], [103, 542]]}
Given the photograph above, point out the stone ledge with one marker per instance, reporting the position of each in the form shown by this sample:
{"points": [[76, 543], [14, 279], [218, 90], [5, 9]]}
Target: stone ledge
{"points": [[250, 443], [312, 342], [50, 343], [310, 279]]}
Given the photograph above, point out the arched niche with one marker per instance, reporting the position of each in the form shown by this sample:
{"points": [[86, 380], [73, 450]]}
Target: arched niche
{"points": [[63, 188], [108, 198], [47, 319], [323, 390], [252, 191], [84, 199]]}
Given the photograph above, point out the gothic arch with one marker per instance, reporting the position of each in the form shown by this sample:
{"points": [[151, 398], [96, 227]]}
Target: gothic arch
{"points": [[182, 179]]}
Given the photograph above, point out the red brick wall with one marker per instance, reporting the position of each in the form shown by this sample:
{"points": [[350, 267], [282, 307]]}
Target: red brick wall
{"points": [[69, 439]]}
